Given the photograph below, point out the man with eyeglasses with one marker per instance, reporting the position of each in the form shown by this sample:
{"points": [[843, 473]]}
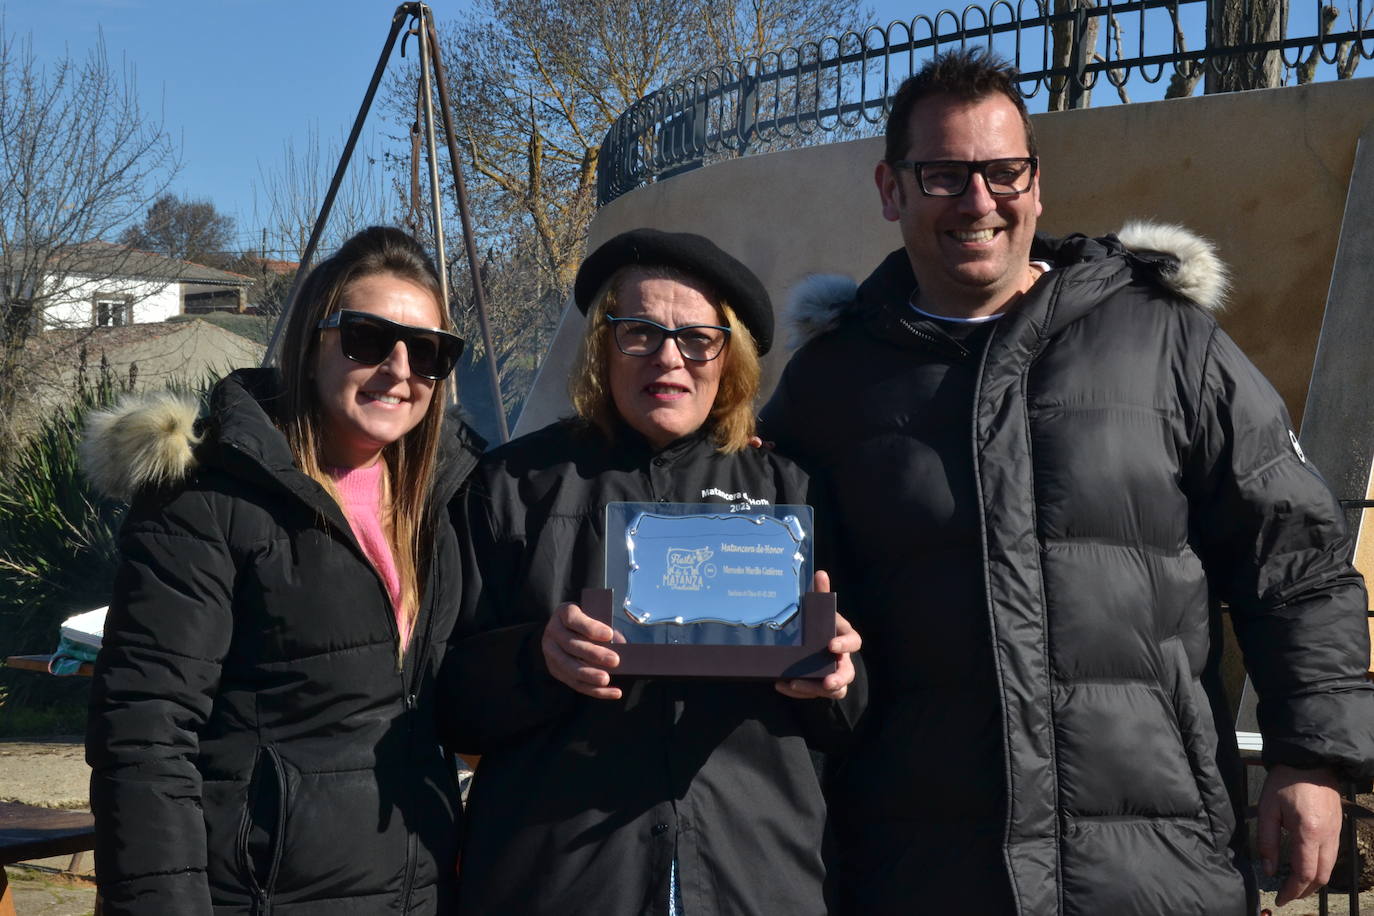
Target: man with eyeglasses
{"points": [[1051, 467]]}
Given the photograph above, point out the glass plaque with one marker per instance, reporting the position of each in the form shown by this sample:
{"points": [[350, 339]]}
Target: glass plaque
{"points": [[715, 592]]}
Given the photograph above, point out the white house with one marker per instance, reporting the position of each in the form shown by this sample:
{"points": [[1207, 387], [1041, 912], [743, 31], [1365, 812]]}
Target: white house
{"points": [[105, 285]]}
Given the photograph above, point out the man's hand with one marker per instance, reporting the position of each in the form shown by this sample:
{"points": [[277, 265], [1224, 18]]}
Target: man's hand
{"points": [[1307, 805], [575, 652], [836, 684]]}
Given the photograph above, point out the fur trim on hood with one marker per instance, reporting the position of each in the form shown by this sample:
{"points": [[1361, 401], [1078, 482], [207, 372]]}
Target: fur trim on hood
{"points": [[1200, 276], [145, 440], [1189, 268], [814, 306]]}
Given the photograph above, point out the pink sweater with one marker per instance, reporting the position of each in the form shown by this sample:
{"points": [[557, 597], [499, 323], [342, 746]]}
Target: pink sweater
{"points": [[361, 491]]}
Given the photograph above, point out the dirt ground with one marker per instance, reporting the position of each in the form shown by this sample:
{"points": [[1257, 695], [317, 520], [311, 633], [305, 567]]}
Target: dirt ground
{"points": [[53, 773], [50, 772]]}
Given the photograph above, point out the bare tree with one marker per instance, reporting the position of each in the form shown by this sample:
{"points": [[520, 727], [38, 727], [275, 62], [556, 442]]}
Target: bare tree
{"points": [[1187, 74], [288, 196], [191, 230], [536, 84], [286, 202], [1347, 56], [79, 160]]}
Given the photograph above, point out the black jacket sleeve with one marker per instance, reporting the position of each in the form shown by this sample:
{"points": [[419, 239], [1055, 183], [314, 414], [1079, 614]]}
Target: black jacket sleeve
{"points": [[494, 683], [829, 724], [167, 631], [1275, 548], [784, 420]]}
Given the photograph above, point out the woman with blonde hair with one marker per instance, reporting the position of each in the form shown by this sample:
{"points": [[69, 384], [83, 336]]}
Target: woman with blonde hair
{"points": [[263, 733], [654, 796]]}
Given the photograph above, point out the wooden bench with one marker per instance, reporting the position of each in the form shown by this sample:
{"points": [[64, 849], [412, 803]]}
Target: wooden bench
{"points": [[29, 832], [41, 662]]}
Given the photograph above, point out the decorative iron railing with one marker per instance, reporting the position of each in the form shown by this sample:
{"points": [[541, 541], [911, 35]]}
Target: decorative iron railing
{"points": [[841, 85]]}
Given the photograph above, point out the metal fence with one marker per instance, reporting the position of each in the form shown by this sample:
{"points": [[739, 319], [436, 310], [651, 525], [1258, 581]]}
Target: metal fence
{"points": [[839, 86]]}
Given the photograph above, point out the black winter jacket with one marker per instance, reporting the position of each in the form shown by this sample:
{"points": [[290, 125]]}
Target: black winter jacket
{"points": [[255, 746], [1047, 721], [579, 805]]}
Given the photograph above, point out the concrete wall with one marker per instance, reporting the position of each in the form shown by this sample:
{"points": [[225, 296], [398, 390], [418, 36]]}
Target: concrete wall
{"points": [[1262, 173], [183, 352], [188, 351]]}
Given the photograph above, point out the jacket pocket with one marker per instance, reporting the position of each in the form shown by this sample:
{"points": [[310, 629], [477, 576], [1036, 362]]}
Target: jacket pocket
{"points": [[262, 828], [1194, 719]]}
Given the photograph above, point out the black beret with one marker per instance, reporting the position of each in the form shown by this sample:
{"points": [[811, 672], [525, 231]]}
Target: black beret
{"points": [[694, 255]]}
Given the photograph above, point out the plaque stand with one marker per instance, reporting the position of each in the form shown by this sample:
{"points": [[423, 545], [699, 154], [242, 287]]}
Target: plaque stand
{"points": [[810, 659]]}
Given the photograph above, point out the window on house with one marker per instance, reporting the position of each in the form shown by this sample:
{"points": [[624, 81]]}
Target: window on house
{"points": [[113, 313]]}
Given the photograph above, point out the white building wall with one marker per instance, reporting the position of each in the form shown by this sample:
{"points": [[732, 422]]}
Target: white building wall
{"points": [[75, 305]]}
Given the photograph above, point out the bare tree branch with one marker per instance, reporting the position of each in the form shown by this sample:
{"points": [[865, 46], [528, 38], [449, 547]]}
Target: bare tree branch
{"points": [[79, 161], [1347, 55], [536, 85]]}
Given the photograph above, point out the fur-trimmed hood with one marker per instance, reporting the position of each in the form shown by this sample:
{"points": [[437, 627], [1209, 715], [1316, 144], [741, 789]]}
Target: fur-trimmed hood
{"points": [[1183, 263], [146, 440], [156, 440]]}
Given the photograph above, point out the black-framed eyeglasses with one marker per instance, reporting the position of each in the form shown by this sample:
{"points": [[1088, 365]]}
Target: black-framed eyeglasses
{"points": [[369, 339], [700, 343], [950, 177]]}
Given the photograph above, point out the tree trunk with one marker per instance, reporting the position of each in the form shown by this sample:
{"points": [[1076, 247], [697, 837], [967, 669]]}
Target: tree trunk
{"points": [[1246, 22], [1061, 88]]}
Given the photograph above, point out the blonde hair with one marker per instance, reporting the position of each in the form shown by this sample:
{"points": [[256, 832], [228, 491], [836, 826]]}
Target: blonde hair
{"points": [[410, 462], [731, 420]]}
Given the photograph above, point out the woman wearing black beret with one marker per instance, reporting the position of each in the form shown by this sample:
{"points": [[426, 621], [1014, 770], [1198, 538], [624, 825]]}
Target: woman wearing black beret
{"points": [[649, 796]]}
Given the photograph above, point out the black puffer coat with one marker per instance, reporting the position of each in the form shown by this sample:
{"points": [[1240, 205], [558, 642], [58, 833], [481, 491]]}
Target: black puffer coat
{"points": [[1047, 725], [580, 805], [255, 746]]}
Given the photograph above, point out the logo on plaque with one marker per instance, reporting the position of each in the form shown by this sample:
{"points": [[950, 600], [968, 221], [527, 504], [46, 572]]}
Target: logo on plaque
{"points": [[685, 568]]}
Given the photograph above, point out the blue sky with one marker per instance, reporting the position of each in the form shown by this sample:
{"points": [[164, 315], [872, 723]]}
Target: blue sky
{"points": [[236, 79], [233, 79]]}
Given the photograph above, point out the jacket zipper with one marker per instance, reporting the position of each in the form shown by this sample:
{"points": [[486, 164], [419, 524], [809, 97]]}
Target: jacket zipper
{"points": [[279, 840], [410, 873], [932, 340], [410, 696], [262, 901]]}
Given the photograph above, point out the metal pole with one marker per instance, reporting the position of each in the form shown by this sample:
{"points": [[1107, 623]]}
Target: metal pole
{"points": [[460, 189], [398, 18], [436, 210]]}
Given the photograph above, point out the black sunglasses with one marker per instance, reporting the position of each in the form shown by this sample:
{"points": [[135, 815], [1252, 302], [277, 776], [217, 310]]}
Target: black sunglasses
{"points": [[369, 339]]}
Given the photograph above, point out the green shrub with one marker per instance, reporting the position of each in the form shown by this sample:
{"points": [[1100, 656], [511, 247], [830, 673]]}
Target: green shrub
{"points": [[57, 551]]}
